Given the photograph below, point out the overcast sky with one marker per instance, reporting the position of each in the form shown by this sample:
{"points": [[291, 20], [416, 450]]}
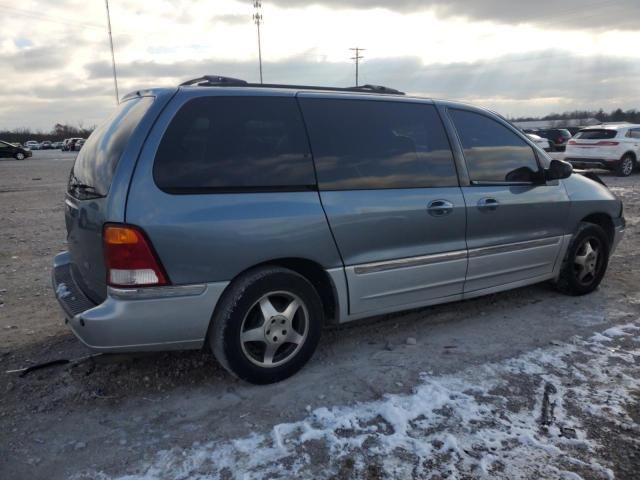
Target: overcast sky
{"points": [[515, 56]]}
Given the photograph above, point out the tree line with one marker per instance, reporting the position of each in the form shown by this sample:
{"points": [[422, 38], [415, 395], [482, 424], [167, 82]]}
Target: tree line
{"points": [[617, 115], [58, 133]]}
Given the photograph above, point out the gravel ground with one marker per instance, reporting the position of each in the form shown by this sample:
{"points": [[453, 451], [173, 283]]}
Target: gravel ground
{"points": [[114, 415]]}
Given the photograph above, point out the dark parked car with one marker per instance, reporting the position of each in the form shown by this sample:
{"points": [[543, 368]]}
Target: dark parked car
{"points": [[9, 150], [558, 137], [46, 145], [255, 214]]}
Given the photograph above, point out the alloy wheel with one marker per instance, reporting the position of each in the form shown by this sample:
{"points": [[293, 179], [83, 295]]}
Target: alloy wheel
{"points": [[587, 261], [274, 329]]}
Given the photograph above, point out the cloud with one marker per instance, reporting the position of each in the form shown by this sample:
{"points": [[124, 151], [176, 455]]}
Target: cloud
{"points": [[522, 76], [546, 74], [35, 59], [232, 19], [574, 14]]}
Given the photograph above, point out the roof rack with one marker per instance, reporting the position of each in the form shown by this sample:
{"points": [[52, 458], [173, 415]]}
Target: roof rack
{"points": [[220, 81], [213, 80]]}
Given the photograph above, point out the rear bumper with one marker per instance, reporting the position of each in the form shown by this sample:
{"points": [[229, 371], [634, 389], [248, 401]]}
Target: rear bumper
{"points": [[162, 318]]}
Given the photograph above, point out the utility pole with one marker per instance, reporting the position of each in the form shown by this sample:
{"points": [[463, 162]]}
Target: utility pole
{"points": [[113, 57], [357, 59], [257, 19]]}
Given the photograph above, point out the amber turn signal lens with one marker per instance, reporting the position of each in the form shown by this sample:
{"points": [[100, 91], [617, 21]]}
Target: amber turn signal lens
{"points": [[120, 236]]}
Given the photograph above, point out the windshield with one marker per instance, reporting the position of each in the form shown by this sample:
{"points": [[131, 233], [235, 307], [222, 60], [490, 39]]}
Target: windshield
{"points": [[101, 152], [596, 134]]}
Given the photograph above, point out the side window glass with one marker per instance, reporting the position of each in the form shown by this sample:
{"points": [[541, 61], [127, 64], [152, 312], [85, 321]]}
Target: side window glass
{"points": [[234, 143], [369, 144], [493, 152]]}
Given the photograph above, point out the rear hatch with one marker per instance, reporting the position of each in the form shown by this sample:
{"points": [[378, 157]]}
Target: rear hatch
{"points": [[595, 143], [87, 199]]}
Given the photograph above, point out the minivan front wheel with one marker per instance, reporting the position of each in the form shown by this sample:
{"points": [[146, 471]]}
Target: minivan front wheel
{"points": [[586, 261], [267, 325], [19, 156]]}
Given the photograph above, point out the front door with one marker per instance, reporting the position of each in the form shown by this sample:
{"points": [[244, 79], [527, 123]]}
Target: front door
{"points": [[516, 221], [389, 188]]}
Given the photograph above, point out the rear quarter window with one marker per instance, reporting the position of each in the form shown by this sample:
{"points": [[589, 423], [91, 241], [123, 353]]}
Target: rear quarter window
{"points": [[97, 160], [233, 144], [597, 134]]}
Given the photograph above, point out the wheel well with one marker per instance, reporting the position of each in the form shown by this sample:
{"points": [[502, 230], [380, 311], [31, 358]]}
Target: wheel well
{"points": [[320, 280], [633, 156], [318, 277], [604, 221]]}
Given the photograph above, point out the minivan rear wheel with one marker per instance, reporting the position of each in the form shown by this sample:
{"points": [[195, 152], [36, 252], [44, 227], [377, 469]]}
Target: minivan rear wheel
{"points": [[267, 325], [586, 260], [626, 166]]}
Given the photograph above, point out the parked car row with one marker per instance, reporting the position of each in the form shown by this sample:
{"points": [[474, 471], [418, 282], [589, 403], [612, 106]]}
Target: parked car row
{"points": [[11, 150], [541, 142], [72, 144], [557, 137], [613, 147], [68, 145]]}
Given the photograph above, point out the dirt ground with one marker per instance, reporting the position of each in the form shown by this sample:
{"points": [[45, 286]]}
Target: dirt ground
{"points": [[110, 416]]}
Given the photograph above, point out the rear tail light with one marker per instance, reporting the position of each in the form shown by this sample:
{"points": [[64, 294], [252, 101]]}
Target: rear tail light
{"points": [[572, 142], [605, 143], [130, 259]]}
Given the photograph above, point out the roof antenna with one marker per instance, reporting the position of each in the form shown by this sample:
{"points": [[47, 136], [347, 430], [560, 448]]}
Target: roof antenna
{"points": [[113, 57]]}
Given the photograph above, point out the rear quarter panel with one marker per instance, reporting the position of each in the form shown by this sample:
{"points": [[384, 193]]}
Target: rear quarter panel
{"points": [[214, 237]]}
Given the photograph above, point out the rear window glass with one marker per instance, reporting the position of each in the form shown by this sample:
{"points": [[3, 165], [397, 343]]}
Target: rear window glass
{"points": [[99, 156], [599, 134], [231, 143], [364, 144]]}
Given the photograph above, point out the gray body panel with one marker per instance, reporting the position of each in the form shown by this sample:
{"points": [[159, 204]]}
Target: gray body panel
{"points": [[373, 226], [521, 214], [381, 249], [85, 218], [168, 320], [214, 237]]}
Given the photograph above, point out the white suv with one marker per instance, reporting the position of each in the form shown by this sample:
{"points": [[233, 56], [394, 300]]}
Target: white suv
{"points": [[614, 147]]}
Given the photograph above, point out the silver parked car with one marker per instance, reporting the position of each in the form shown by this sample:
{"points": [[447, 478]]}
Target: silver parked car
{"points": [[244, 217]]}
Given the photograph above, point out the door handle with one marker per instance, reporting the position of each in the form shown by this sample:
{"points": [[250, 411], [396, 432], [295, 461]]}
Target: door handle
{"points": [[440, 208], [488, 204]]}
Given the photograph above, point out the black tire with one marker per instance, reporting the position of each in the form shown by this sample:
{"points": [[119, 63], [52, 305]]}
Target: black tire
{"points": [[238, 308], [19, 156], [570, 281], [626, 166]]}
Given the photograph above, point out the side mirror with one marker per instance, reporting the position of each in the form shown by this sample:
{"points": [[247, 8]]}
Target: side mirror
{"points": [[558, 170]]}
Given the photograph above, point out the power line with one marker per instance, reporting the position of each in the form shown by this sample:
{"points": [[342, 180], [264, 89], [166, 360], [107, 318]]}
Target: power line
{"points": [[357, 59]]}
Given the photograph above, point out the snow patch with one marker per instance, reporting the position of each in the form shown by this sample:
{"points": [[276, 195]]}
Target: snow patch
{"points": [[512, 419]]}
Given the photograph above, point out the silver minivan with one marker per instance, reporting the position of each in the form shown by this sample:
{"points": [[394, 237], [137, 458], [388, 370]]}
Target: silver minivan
{"points": [[243, 217]]}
